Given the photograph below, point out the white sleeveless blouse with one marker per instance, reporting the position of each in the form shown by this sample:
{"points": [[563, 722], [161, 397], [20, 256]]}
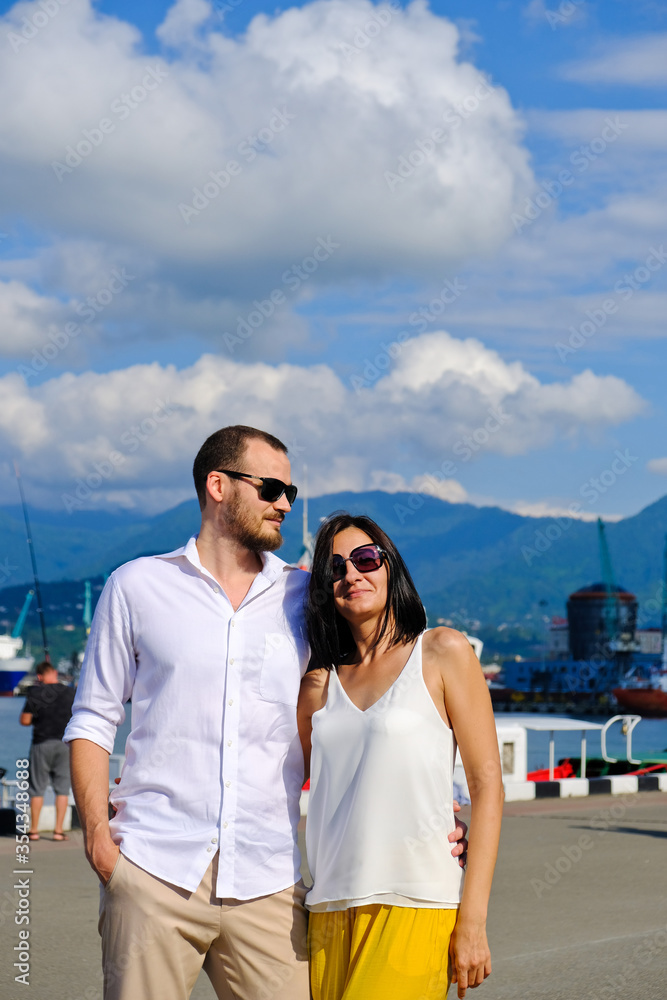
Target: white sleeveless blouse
{"points": [[380, 805]]}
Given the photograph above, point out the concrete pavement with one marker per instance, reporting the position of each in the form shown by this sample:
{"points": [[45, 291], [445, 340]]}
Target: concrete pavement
{"points": [[578, 910]]}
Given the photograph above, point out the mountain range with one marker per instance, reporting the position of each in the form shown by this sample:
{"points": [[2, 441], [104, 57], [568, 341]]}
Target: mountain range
{"points": [[470, 564]]}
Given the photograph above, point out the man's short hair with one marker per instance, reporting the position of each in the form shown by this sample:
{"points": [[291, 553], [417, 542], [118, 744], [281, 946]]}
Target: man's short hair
{"points": [[224, 450], [43, 668]]}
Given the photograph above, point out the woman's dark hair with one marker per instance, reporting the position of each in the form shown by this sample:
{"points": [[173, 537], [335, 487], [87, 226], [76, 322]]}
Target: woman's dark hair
{"points": [[329, 634]]}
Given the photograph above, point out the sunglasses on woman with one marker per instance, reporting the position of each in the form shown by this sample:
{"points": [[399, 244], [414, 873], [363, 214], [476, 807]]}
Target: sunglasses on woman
{"points": [[365, 558], [270, 490]]}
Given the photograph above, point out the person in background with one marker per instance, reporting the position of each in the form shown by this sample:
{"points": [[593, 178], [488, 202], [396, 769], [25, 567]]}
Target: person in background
{"points": [[383, 711], [48, 707]]}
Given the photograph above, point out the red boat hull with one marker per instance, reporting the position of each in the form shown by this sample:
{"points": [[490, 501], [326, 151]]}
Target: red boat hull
{"points": [[643, 701]]}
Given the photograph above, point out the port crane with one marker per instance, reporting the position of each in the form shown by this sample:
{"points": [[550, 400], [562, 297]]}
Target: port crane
{"points": [[616, 637], [20, 621]]}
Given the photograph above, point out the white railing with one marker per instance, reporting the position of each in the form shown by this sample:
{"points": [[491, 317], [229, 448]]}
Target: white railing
{"points": [[628, 724]]}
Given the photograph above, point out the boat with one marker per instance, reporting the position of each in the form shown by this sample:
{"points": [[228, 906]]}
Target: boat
{"points": [[645, 696], [12, 666], [651, 702]]}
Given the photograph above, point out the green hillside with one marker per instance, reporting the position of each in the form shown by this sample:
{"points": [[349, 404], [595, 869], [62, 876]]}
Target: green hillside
{"points": [[471, 564]]}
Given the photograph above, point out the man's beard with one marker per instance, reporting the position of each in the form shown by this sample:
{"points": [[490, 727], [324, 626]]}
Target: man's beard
{"points": [[245, 529]]}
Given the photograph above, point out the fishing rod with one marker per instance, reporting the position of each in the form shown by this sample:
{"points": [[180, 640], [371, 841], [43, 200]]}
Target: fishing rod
{"points": [[40, 610]]}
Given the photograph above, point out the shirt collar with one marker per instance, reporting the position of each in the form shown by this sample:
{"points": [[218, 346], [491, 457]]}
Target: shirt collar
{"points": [[272, 565]]}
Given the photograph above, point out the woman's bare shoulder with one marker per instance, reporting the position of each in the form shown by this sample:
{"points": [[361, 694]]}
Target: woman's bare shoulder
{"points": [[446, 641], [450, 653]]}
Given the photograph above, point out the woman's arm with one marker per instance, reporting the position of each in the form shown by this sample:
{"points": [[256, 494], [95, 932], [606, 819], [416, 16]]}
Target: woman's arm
{"points": [[468, 707], [312, 697]]}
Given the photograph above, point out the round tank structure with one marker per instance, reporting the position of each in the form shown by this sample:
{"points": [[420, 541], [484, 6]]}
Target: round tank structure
{"points": [[586, 618]]}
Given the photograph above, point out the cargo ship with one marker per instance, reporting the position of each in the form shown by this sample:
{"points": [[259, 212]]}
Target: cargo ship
{"points": [[644, 696]]}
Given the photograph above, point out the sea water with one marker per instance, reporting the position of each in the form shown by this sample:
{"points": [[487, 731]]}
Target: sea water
{"points": [[15, 739], [649, 736]]}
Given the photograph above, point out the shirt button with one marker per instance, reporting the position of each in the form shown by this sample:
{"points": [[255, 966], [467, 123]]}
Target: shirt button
{"points": [[231, 701], [229, 743], [233, 624], [225, 825], [216, 590], [227, 784], [210, 850], [214, 840], [232, 660]]}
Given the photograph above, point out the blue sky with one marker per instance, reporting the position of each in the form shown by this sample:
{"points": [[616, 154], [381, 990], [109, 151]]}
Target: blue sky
{"points": [[425, 245]]}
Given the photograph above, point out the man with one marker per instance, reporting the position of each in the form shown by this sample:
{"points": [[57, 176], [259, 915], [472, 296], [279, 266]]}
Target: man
{"points": [[47, 709], [199, 866]]}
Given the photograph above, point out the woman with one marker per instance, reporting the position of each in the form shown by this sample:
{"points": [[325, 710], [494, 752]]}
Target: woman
{"points": [[385, 712]]}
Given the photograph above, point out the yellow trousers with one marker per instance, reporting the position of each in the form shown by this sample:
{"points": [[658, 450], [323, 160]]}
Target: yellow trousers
{"points": [[380, 953]]}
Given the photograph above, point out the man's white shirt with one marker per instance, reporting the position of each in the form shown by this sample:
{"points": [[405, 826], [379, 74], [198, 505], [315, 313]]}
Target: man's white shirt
{"points": [[213, 760]]}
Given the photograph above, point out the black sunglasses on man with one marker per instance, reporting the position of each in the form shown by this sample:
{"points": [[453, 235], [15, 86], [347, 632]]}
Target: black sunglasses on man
{"points": [[270, 490]]}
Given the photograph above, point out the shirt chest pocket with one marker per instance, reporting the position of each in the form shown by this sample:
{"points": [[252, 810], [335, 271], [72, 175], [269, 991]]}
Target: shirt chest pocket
{"points": [[280, 676]]}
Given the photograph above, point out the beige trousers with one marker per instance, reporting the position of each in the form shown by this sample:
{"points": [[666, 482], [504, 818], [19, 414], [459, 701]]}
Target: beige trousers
{"points": [[157, 937]]}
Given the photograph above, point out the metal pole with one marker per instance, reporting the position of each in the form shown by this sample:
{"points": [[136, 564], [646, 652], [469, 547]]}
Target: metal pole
{"points": [[583, 753], [551, 755], [40, 610]]}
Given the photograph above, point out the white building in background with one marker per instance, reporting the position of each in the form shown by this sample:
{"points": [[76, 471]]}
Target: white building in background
{"points": [[649, 640], [558, 642]]}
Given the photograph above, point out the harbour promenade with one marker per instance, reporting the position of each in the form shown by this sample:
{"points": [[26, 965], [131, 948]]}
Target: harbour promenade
{"points": [[578, 909]]}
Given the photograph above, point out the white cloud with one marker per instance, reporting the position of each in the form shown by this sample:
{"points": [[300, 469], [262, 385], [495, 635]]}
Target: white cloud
{"points": [[183, 21], [446, 403], [24, 317], [545, 508], [640, 61], [579, 245], [539, 292], [444, 489], [467, 395], [438, 361], [645, 129], [313, 109]]}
